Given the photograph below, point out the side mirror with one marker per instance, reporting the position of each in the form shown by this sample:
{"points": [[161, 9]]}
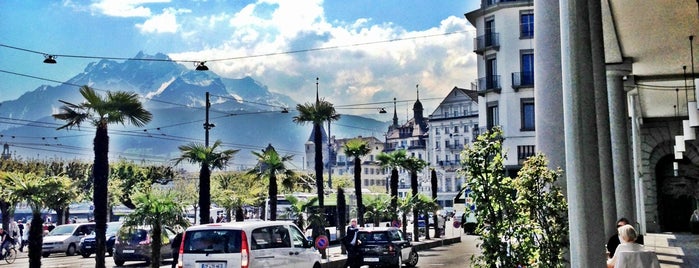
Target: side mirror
{"points": [[308, 243], [409, 237]]}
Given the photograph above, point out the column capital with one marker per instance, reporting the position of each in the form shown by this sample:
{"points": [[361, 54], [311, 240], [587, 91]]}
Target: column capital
{"points": [[619, 69]]}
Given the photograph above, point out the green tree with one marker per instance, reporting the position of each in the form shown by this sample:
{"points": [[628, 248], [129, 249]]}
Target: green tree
{"points": [[186, 191], [542, 229], [209, 158], [423, 205], [298, 208], [414, 165], [405, 206], [271, 164], [156, 209], [235, 190], [377, 206], [357, 148], [393, 160], [316, 114], [35, 191], [117, 107]]}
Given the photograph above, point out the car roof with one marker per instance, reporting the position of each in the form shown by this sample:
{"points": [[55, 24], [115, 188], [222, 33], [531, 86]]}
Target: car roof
{"points": [[377, 229], [240, 225]]}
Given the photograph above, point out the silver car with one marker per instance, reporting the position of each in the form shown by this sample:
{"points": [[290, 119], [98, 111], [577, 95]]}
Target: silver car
{"points": [[247, 244], [65, 238]]}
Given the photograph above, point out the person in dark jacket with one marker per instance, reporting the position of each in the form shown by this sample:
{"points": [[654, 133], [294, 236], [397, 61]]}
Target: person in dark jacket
{"points": [[176, 249], [350, 241]]}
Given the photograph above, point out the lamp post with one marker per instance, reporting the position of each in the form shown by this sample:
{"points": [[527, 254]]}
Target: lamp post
{"points": [[207, 125]]}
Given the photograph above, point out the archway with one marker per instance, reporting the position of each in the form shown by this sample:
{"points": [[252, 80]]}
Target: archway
{"points": [[675, 193]]}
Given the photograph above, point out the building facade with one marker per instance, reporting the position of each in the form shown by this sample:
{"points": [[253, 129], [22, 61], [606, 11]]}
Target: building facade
{"points": [[452, 125], [505, 85]]}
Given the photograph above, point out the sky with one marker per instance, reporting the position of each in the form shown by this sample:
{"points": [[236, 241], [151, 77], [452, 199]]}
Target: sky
{"points": [[361, 51]]}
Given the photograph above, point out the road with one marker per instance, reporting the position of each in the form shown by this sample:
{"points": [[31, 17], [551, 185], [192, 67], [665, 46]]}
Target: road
{"points": [[454, 255], [63, 261]]}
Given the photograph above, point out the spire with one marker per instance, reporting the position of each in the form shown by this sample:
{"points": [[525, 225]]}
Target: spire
{"points": [[317, 99], [418, 91], [395, 114]]}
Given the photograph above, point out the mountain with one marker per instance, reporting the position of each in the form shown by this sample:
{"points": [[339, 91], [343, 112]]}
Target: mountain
{"points": [[247, 115]]}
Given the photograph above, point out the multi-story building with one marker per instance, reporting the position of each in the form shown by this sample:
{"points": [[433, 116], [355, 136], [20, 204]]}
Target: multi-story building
{"points": [[505, 85], [453, 124], [372, 173]]}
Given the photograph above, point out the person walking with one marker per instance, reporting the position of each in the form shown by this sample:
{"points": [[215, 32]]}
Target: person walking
{"points": [[350, 241], [176, 249], [7, 241]]}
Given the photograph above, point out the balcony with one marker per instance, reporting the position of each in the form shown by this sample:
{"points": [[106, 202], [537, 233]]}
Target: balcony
{"points": [[488, 3], [486, 42], [524, 152], [522, 80], [489, 84]]}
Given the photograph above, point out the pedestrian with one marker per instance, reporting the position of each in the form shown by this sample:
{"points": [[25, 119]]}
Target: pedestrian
{"points": [[14, 231], [25, 236], [350, 241], [6, 242], [176, 249]]}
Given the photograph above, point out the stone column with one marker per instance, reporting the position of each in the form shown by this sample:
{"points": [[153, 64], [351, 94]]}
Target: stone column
{"points": [[581, 146], [618, 112], [603, 132], [548, 96]]}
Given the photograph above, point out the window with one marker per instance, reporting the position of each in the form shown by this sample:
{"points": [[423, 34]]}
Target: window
{"points": [[527, 67], [492, 115], [436, 145], [436, 131], [489, 31], [527, 106], [526, 24], [456, 129], [491, 71]]}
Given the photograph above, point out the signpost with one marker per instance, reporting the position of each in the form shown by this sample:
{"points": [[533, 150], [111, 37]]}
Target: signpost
{"points": [[396, 223]]}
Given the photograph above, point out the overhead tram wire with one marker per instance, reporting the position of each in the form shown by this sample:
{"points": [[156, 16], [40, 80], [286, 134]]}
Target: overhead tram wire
{"points": [[239, 57]]}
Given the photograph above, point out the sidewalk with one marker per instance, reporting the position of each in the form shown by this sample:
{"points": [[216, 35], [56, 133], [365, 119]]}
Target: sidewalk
{"points": [[674, 249]]}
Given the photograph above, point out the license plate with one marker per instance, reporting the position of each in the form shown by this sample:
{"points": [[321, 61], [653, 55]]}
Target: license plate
{"points": [[213, 265], [128, 251], [88, 246], [371, 259]]}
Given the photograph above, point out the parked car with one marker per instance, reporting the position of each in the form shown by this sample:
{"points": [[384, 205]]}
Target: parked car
{"points": [[133, 243], [65, 238], [247, 244], [385, 246], [88, 243]]}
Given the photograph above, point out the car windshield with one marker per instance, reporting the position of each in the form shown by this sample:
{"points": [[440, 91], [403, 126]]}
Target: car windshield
{"points": [[112, 227], [212, 241], [62, 230], [373, 237]]}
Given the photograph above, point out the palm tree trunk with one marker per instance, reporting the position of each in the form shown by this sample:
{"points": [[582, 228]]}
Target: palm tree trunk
{"points": [[318, 140], [100, 173], [413, 190], [204, 194], [5, 210], [157, 243], [394, 191], [36, 238], [433, 184], [358, 190], [273, 195]]}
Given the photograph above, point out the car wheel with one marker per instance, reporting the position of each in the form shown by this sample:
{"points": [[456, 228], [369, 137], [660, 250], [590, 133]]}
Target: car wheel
{"points": [[45, 255], [412, 259], [85, 255], [71, 250], [119, 262]]}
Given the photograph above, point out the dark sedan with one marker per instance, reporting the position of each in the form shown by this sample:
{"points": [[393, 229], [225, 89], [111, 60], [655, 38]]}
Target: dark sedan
{"points": [[385, 246], [88, 245]]}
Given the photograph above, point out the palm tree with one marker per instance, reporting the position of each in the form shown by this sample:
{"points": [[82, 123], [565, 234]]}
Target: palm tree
{"points": [[317, 114], [298, 208], [405, 206], [117, 107], [393, 160], [358, 148], [209, 158], [156, 210], [377, 207], [35, 191], [435, 217], [269, 165], [414, 165], [423, 205]]}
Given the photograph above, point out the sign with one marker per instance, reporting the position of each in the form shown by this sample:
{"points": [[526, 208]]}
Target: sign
{"points": [[322, 242], [395, 223], [457, 224]]}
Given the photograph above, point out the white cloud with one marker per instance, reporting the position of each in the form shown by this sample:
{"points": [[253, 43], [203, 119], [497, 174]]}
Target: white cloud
{"points": [[125, 8], [360, 67], [165, 22]]}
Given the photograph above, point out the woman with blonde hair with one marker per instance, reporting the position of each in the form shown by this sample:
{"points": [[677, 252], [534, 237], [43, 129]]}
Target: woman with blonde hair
{"points": [[627, 236]]}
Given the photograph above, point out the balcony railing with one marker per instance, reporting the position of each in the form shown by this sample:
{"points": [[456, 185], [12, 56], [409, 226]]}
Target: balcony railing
{"points": [[489, 83], [485, 42], [522, 79], [524, 152], [487, 3]]}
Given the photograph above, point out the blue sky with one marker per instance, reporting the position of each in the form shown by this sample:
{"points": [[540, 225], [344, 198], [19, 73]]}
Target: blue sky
{"points": [[433, 47]]}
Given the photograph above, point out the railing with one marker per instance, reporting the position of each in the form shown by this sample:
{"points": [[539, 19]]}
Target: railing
{"points": [[485, 42], [489, 83], [524, 152], [487, 3], [522, 79]]}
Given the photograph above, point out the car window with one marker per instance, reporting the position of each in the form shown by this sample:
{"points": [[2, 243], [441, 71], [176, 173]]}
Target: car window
{"points": [[212, 241], [396, 235], [63, 230], [373, 237], [297, 238], [270, 237]]}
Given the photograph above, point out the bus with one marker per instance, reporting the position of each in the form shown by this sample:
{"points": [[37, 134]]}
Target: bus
{"points": [[464, 210]]}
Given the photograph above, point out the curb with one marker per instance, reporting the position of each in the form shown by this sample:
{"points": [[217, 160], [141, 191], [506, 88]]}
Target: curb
{"points": [[422, 245]]}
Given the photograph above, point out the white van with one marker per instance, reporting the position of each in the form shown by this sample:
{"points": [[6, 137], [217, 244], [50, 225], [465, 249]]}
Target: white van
{"points": [[249, 244]]}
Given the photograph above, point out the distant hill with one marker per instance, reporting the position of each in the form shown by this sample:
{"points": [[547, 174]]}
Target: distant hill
{"points": [[246, 113]]}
